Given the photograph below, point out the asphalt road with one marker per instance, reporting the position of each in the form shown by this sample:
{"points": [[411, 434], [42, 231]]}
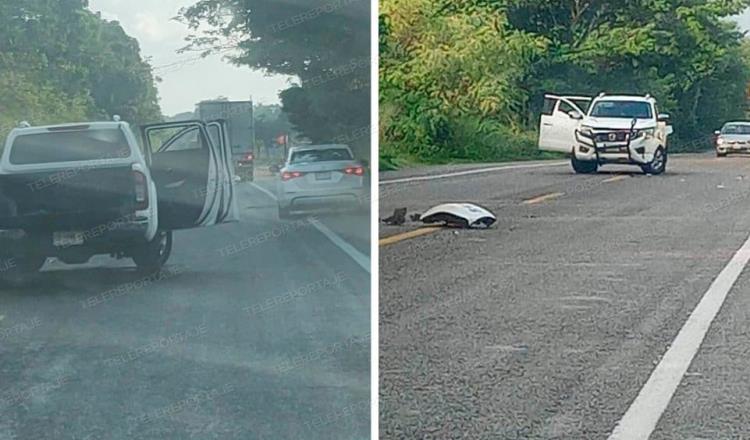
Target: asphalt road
{"points": [[549, 324], [255, 330]]}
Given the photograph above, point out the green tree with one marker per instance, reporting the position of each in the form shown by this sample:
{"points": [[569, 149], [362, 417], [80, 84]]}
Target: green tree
{"points": [[323, 43], [684, 52], [59, 62]]}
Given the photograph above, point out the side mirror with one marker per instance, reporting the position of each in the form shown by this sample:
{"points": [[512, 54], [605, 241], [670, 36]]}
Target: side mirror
{"points": [[717, 132], [274, 168], [664, 117], [575, 114]]}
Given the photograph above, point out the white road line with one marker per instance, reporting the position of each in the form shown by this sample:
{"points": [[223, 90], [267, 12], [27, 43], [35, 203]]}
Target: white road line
{"points": [[644, 413], [470, 172], [265, 191], [360, 258]]}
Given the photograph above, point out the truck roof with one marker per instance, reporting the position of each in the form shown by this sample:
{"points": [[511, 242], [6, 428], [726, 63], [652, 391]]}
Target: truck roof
{"points": [[626, 98], [71, 126]]}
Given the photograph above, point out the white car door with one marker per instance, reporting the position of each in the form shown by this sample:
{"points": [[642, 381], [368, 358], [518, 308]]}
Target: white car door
{"points": [[557, 126], [192, 172]]}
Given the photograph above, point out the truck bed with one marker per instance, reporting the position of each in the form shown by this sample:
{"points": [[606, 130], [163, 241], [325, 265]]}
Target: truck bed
{"points": [[72, 199]]}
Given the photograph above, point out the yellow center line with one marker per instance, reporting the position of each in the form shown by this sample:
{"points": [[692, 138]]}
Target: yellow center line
{"points": [[616, 178], [407, 235], [542, 198]]}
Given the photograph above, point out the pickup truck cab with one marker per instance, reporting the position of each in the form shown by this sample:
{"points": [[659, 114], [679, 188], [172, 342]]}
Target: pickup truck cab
{"points": [[607, 129], [73, 191]]}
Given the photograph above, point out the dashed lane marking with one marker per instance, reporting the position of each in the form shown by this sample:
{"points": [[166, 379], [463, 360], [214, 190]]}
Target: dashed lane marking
{"points": [[406, 236], [543, 198]]}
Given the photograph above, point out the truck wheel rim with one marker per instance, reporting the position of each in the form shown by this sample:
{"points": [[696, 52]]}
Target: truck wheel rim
{"points": [[658, 162], [162, 243]]}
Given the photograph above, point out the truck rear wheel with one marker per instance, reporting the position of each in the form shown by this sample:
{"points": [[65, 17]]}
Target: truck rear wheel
{"points": [[583, 166], [17, 269], [152, 256]]}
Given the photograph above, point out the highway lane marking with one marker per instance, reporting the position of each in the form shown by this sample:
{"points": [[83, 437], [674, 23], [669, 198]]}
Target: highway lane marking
{"points": [[644, 413], [616, 178], [406, 236], [470, 172], [360, 258], [265, 191], [543, 198]]}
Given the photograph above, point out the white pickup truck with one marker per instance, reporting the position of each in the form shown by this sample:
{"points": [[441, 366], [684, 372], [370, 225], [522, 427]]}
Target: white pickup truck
{"points": [[77, 190], [607, 129]]}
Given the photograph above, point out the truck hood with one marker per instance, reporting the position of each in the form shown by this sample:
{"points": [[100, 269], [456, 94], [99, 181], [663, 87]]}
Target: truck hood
{"points": [[616, 123]]}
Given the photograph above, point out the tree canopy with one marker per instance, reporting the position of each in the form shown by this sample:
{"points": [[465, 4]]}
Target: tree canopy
{"points": [[465, 78], [59, 62], [324, 43]]}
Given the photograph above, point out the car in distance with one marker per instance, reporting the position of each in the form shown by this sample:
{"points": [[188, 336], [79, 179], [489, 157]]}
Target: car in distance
{"points": [[73, 191], [608, 129], [734, 137], [320, 175]]}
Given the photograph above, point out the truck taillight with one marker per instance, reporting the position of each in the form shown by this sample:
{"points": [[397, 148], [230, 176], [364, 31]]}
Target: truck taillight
{"points": [[141, 190], [289, 175]]}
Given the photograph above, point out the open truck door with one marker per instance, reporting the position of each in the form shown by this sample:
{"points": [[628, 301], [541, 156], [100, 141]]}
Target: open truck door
{"points": [[219, 134], [560, 119], [194, 181]]}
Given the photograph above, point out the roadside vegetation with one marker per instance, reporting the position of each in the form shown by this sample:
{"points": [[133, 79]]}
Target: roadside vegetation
{"points": [[59, 62], [324, 44], [464, 80]]}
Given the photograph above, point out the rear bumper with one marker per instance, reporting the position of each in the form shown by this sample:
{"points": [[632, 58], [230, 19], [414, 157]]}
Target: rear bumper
{"points": [[333, 197], [103, 238]]}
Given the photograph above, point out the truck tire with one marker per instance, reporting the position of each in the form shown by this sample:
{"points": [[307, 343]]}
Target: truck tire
{"points": [[20, 268], [658, 165], [583, 166], [151, 257]]}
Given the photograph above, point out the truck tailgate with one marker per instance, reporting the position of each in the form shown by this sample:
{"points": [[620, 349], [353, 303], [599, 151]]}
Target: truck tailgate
{"points": [[67, 199]]}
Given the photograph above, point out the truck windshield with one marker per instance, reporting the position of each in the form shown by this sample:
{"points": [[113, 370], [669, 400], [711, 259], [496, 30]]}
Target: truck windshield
{"points": [[329, 155], [622, 109], [736, 129], [69, 146]]}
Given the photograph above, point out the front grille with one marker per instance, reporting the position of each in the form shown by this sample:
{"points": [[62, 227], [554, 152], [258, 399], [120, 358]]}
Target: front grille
{"points": [[612, 136]]}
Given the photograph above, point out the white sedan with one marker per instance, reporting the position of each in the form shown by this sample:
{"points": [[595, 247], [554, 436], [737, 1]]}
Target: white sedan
{"points": [[320, 175]]}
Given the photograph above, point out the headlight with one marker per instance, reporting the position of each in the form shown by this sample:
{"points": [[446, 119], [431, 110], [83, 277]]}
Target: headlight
{"points": [[587, 131], [645, 132], [720, 141]]}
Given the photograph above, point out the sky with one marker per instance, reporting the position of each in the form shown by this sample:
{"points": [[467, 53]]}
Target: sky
{"points": [[744, 21], [185, 79]]}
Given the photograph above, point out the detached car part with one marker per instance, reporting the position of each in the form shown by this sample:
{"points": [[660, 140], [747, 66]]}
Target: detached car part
{"points": [[397, 219], [464, 215]]}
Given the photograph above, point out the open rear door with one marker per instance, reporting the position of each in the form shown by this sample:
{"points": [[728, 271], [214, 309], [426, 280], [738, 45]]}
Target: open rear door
{"points": [[194, 183], [557, 126]]}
